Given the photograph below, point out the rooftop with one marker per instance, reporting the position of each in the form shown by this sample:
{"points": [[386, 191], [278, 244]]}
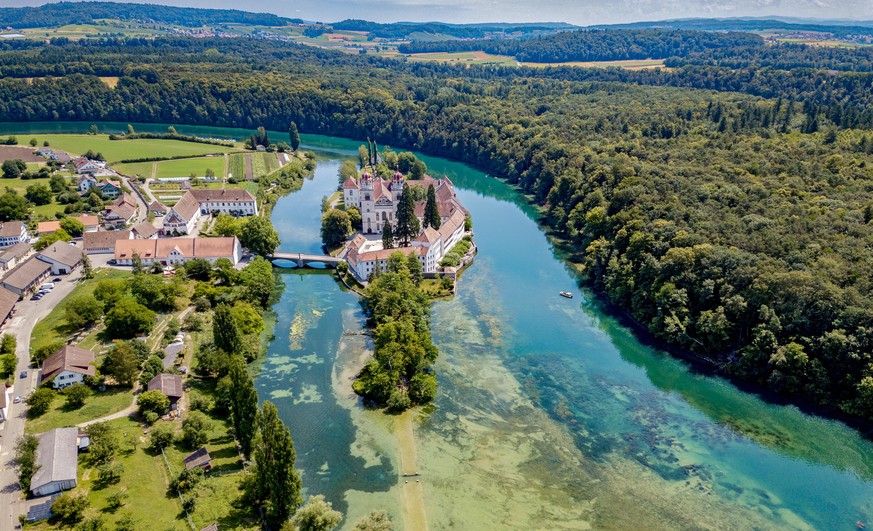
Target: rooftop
{"points": [[62, 252], [10, 229], [56, 457], [103, 239], [68, 358], [15, 251], [24, 274], [169, 384]]}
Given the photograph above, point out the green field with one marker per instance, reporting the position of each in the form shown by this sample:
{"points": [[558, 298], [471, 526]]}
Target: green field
{"points": [[473, 58], [116, 150], [185, 167], [20, 186], [237, 163], [78, 31], [143, 169]]}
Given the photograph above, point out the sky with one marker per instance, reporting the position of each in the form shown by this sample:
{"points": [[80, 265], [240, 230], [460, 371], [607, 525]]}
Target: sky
{"points": [[579, 12]]}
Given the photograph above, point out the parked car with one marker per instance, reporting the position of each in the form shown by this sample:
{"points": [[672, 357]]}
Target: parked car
{"points": [[111, 262], [17, 400], [23, 374], [57, 279]]}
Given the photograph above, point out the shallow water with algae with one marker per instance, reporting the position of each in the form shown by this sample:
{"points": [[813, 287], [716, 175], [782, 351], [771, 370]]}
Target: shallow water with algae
{"points": [[550, 414]]}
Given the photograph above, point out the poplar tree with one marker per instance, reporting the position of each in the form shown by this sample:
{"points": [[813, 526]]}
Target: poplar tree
{"points": [[243, 404], [407, 224], [225, 332], [431, 212], [277, 483], [294, 136], [387, 236]]}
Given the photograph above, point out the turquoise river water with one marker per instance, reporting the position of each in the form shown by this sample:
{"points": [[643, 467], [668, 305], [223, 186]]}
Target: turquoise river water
{"points": [[550, 414]]}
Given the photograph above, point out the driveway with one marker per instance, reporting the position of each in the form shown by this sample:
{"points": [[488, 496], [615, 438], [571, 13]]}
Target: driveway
{"points": [[27, 313]]}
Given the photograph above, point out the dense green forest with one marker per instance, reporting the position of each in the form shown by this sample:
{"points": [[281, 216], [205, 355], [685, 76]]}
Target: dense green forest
{"points": [[783, 57], [727, 224], [842, 29], [64, 13], [587, 45], [461, 31]]}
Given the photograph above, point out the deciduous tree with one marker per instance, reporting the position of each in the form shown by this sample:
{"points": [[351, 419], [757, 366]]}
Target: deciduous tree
{"points": [[277, 482]]}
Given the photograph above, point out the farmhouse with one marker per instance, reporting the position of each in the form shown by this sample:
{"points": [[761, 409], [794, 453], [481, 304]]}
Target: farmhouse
{"points": [[86, 166], [182, 217], [68, 366], [110, 189], [157, 208], [62, 257], [120, 212], [12, 232], [103, 242], [172, 251], [84, 183], [26, 276], [57, 460], [170, 385]]}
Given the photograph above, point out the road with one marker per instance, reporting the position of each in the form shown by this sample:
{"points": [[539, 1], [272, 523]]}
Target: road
{"points": [[28, 313]]}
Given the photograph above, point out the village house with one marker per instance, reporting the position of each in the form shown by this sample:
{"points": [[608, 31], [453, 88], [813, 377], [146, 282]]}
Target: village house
{"points": [[13, 255], [157, 208], [84, 183], [144, 231], [170, 385], [54, 154], [87, 166], [12, 232], [173, 251], [109, 189], [183, 216], [103, 242], [120, 212], [68, 366], [26, 276], [62, 257], [198, 459], [91, 223], [57, 460]]}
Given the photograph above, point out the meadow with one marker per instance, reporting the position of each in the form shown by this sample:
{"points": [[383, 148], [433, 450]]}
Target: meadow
{"points": [[197, 166], [117, 150], [473, 58]]}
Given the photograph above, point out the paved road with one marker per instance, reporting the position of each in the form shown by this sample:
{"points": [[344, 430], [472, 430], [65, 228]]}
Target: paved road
{"points": [[21, 325]]}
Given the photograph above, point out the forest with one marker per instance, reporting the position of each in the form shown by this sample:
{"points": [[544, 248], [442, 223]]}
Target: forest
{"points": [[65, 13], [461, 31], [587, 45], [734, 226]]}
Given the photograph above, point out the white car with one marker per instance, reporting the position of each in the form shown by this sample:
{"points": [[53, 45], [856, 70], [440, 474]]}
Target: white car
{"points": [[17, 400]]}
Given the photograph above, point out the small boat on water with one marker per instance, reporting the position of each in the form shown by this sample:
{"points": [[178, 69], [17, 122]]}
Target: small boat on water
{"points": [[567, 294]]}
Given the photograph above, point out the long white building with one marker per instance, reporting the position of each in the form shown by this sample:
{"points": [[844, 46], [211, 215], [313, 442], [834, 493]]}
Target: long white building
{"points": [[183, 216]]}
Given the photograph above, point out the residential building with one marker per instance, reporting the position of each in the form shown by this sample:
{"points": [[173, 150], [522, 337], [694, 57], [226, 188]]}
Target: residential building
{"points": [[12, 232], [57, 461], [87, 166], [62, 256], [157, 208], [109, 189], [4, 401], [90, 222], [84, 183], [183, 216], [144, 231], [7, 303], [68, 366], [26, 276], [103, 242], [54, 154], [173, 251], [170, 385], [13, 255], [120, 212]]}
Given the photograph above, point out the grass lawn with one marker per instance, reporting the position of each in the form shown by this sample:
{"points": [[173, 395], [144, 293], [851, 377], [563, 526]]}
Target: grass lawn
{"points": [[98, 405], [116, 150], [54, 327], [185, 167], [143, 169]]}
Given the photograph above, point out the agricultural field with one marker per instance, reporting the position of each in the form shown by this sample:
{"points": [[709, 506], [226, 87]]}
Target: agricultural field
{"points": [[197, 166], [237, 165], [472, 58], [143, 169], [80, 31], [116, 150]]}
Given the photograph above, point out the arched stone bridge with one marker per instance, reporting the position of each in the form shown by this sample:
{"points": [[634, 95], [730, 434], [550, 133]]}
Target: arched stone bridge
{"points": [[303, 259]]}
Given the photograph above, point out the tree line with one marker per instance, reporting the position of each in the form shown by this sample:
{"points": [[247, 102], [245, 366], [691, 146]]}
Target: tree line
{"points": [[597, 45]]}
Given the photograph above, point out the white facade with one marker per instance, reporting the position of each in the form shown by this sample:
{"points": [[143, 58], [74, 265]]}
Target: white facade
{"points": [[234, 208], [12, 232], [85, 183], [66, 379]]}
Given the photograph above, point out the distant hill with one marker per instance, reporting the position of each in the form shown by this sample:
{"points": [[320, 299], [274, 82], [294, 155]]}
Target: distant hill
{"points": [[401, 30], [839, 28], [61, 14]]}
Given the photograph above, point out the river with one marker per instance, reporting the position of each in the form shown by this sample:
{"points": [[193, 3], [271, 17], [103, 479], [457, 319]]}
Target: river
{"points": [[550, 414]]}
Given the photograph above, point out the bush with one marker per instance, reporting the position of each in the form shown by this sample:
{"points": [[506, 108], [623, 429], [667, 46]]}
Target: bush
{"points": [[39, 355], [39, 402], [69, 508], [200, 403], [195, 430], [398, 401], [76, 395], [153, 401], [150, 417], [162, 436]]}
